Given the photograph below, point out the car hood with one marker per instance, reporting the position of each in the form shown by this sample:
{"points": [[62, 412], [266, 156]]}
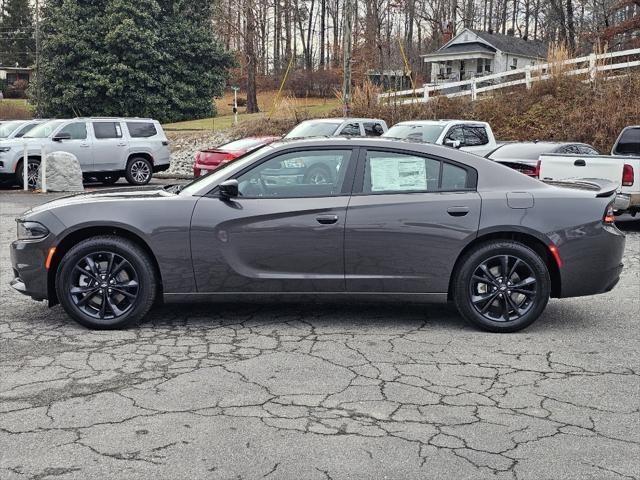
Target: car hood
{"points": [[112, 195]]}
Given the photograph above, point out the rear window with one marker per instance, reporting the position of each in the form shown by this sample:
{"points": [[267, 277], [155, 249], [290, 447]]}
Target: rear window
{"points": [[141, 129], [313, 129], [519, 151], [243, 144], [107, 129], [628, 143]]}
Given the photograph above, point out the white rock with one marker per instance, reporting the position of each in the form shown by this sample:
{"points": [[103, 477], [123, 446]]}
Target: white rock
{"points": [[63, 173]]}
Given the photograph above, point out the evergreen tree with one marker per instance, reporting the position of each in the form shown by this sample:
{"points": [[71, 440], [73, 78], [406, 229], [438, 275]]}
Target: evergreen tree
{"points": [[17, 41], [116, 57]]}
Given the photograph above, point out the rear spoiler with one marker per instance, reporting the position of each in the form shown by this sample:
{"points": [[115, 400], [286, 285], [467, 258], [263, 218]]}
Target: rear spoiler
{"points": [[602, 188]]}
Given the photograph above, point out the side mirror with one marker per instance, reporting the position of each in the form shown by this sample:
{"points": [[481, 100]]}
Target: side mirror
{"points": [[453, 143], [229, 188], [62, 136]]}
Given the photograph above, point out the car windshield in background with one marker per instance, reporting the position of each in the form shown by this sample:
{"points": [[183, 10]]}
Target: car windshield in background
{"points": [[422, 133], [44, 130], [629, 143], [214, 176], [243, 144], [519, 151], [8, 128], [313, 129]]}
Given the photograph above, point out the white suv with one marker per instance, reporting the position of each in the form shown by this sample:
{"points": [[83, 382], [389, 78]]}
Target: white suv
{"points": [[107, 148]]}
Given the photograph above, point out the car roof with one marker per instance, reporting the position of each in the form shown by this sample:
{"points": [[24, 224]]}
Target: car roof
{"points": [[342, 119], [441, 122]]}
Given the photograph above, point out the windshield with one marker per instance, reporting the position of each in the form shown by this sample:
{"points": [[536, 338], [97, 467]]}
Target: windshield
{"points": [[212, 178], [313, 129], [522, 151], [44, 130], [423, 133], [7, 128]]}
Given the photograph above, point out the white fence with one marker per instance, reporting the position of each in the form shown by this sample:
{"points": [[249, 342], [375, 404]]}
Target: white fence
{"points": [[590, 64]]}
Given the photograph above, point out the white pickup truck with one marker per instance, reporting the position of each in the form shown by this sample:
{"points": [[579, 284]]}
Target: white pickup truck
{"points": [[621, 167], [467, 135]]}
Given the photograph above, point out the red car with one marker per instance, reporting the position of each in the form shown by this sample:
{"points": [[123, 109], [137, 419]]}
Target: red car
{"points": [[212, 158]]}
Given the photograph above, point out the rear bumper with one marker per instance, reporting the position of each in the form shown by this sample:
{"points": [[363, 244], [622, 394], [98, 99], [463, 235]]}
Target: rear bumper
{"points": [[592, 263]]}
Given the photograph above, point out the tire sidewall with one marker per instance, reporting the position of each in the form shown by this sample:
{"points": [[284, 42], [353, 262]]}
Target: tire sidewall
{"points": [[130, 177], [129, 251], [482, 253], [20, 169]]}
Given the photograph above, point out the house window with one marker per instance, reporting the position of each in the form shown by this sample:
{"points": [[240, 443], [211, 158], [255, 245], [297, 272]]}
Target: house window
{"points": [[483, 65], [447, 68], [514, 65]]}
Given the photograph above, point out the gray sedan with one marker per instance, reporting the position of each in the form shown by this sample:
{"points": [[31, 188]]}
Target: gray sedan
{"points": [[394, 221]]}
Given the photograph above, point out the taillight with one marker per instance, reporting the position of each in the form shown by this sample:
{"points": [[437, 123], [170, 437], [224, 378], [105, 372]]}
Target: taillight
{"points": [[627, 175], [609, 218], [536, 173], [228, 157]]}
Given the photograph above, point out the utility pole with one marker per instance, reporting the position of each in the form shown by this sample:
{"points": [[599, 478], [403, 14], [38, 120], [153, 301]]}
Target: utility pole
{"points": [[347, 40], [38, 78]]}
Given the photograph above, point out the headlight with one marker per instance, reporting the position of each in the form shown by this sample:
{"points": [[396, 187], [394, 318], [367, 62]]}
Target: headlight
{"points": [[5, 149], [31, 230]]}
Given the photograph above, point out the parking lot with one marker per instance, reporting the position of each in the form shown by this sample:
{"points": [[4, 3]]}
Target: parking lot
{"points": [[320, 391]]}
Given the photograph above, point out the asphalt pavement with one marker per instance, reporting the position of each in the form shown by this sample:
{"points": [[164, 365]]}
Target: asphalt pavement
{"points": [[299, 391]]}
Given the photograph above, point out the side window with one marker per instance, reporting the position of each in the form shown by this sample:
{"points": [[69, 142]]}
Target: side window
{"points": [[390, 172], [373, 129], [317, 173], [453, 177], [77, 130], [24, 130], [104, 130], [141, 129], [456, 133], [474, 136], [350, 130]]}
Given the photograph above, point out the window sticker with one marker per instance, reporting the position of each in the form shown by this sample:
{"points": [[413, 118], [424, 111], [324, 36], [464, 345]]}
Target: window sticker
{"points": [[397, 174]]}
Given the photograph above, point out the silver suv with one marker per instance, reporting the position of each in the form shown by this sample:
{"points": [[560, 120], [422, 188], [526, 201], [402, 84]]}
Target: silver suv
{"points": [[107, 148]]}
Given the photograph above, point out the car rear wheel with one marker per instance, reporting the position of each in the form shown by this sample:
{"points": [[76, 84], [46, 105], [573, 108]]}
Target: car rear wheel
{"points": [[139, 171], [106, 282], [33, 168], [501, 286]]}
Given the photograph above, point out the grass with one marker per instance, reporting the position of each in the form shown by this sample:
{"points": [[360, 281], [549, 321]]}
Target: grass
{"points": [[286, 106]]}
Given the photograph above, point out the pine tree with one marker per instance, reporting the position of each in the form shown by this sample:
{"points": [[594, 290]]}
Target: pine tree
{"points": [[17, 41], [117, 57]]}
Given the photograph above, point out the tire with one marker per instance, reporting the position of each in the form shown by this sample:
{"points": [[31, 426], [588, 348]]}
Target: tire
{"points": [[108, 179], [139, 171], [129, 294], [33, 168], [496, 305], [318, 175]]}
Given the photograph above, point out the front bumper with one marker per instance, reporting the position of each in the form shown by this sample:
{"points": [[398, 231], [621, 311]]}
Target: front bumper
{"points": [[28, 259], [161, 168]]}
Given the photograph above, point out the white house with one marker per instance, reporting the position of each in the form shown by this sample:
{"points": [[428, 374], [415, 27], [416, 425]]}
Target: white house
{"points": [[472, 53]]}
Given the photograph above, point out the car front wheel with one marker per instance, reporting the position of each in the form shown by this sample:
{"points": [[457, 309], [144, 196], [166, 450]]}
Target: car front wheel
{"points": [[501, 286], [139, 171], [106, 282], [33, 169]]}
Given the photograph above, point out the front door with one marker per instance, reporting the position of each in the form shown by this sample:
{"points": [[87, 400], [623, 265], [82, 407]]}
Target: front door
{"points": [[110, 148], [408, 220], [78, 144], [283, 233]]}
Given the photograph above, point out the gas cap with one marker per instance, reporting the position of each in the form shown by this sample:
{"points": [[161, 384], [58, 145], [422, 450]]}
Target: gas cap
{"points": [[520, 200]]}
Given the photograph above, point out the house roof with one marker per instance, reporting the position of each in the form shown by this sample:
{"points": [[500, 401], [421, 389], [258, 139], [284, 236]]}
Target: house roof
{"points": [[515, 45]]}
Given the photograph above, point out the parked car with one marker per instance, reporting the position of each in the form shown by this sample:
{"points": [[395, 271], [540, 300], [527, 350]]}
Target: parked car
{"points": [[339, 127], [525, 156], [211, 158], [17, 128], [622, 167], [470, 136], [106, 148], [400, 220]]}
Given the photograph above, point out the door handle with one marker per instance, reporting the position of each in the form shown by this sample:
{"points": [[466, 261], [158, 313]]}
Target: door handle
{"points": [[84, 145], [122, 144], [458, 211], [327, 219], [580, 163]]}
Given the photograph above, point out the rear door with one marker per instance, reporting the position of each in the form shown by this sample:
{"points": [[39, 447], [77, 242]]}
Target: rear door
{"points": [[110, 147], [408, 220], [281, 234], [564, 167], [79, 144]]}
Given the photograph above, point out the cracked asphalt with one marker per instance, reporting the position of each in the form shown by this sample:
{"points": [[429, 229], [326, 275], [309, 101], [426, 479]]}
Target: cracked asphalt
{"points": [[320, 391]]}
